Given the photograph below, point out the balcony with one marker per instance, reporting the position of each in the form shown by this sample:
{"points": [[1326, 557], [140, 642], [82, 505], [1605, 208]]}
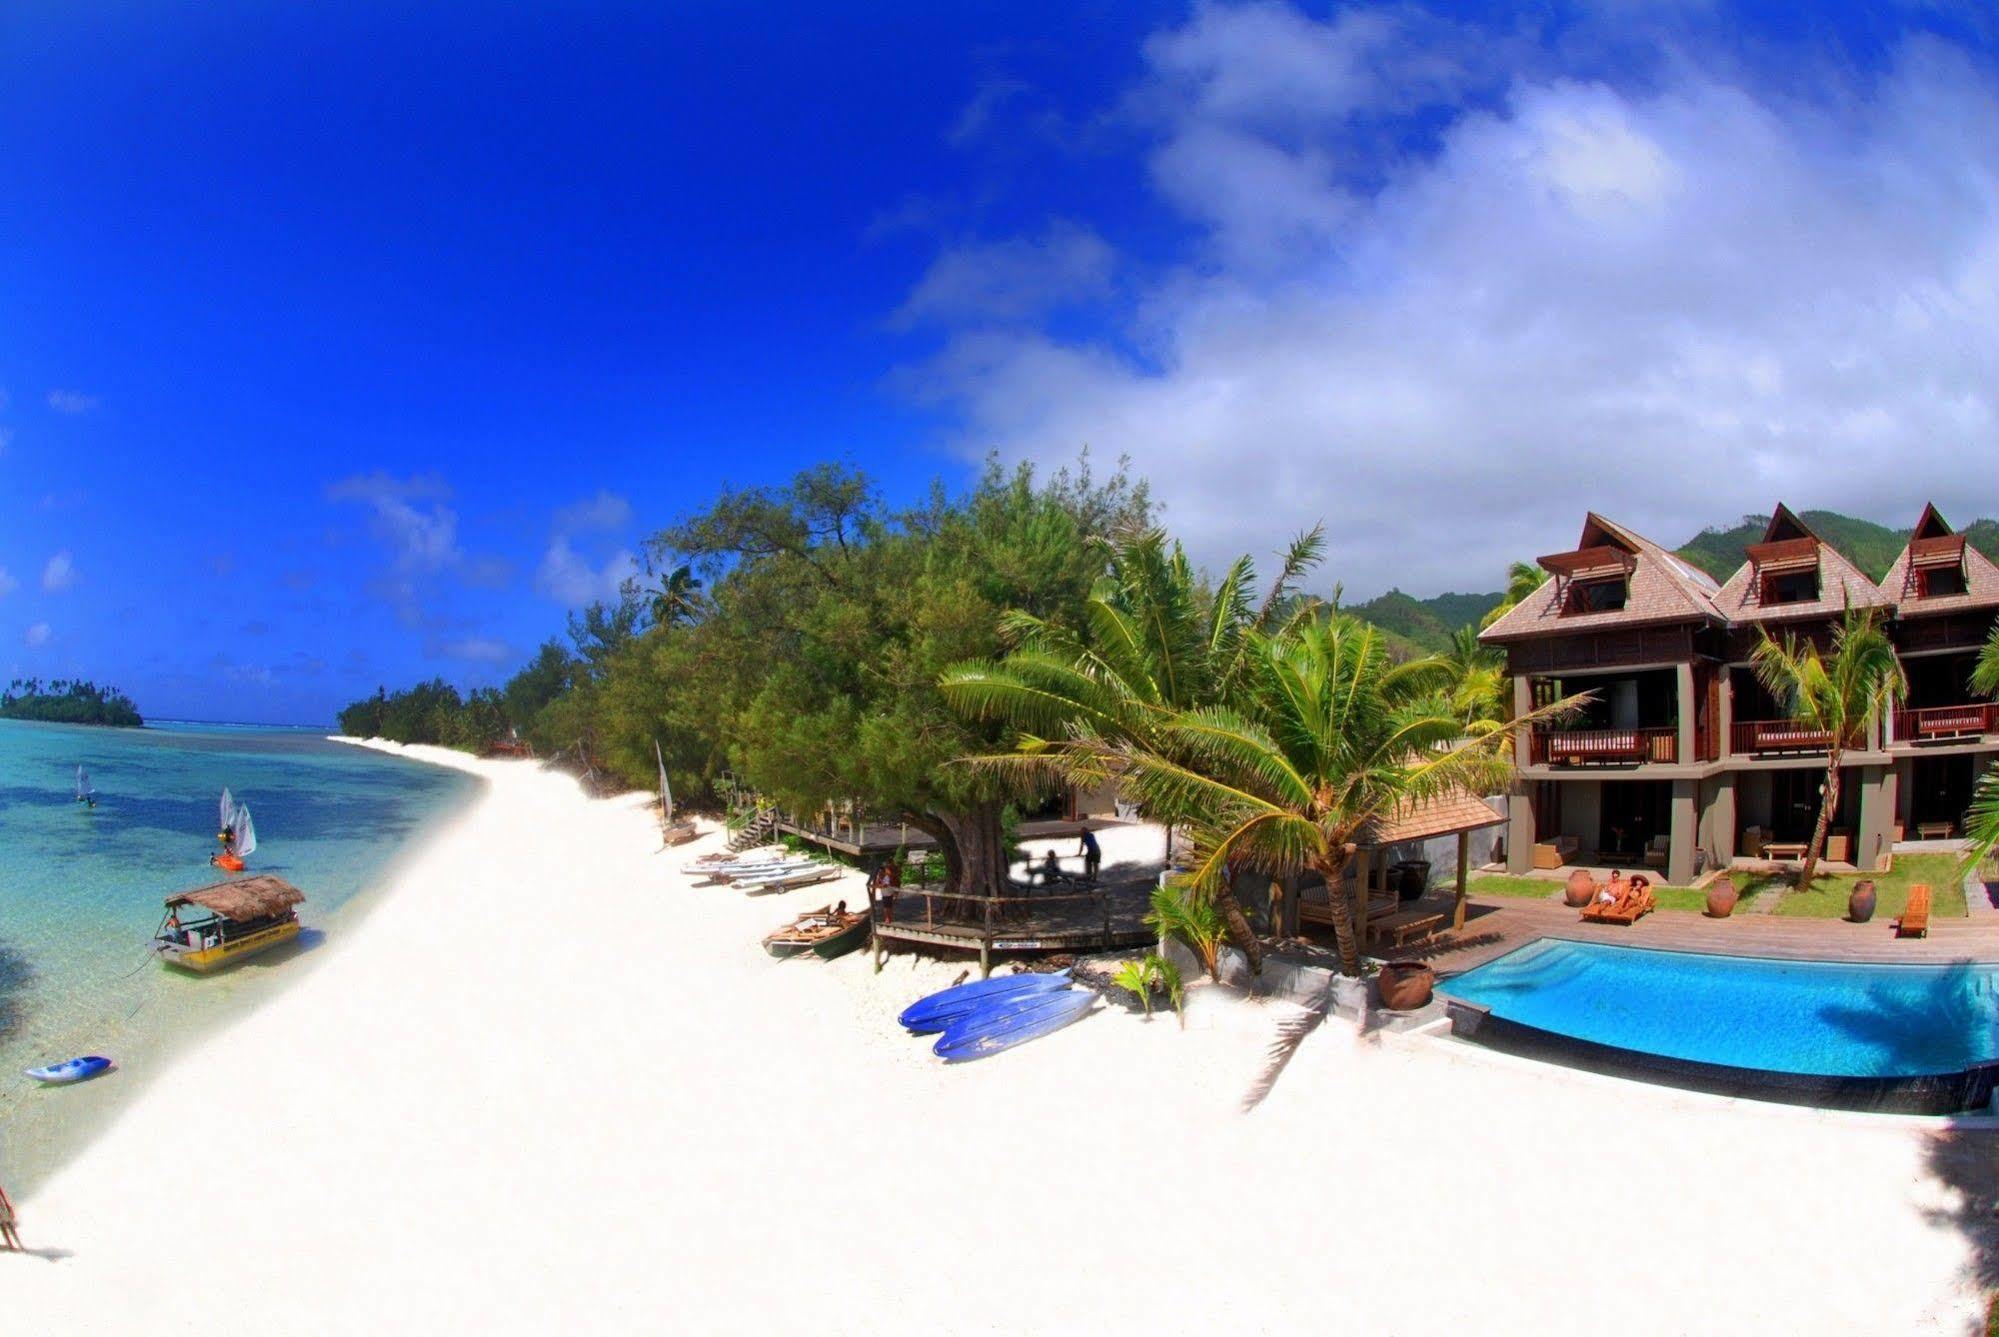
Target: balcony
{"points": [[1603, 747], [1776, 737], [1938, 724]]}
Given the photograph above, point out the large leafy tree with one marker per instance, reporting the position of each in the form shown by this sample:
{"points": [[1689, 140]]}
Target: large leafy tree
{"points": [[1837, 692], [1323, 734], [831, 617]]}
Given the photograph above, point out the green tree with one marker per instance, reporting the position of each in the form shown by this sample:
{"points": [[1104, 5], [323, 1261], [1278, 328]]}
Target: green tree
{"points": [[1325, 734], [1836, 693], [1522, 579], [1477, 678], [831, 618]]}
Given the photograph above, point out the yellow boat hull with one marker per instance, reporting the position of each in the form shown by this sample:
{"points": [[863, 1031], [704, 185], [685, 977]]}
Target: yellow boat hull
{"points": [[206, 960]]}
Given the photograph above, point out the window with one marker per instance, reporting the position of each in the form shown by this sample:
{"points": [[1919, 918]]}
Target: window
{"points": [[1597, 596], [1939, 581], [1791, 587]]}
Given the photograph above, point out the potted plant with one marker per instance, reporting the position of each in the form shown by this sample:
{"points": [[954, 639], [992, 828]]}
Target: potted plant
{"points": [[1405, 985], [1721, 897], [1860, 904], [1581, 886]]}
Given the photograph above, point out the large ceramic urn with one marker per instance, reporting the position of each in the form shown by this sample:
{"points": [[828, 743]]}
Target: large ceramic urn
{"points": [[1721, 898]]}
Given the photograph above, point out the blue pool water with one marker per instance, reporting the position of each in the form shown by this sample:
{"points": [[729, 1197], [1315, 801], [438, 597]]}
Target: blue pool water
{"points": [[80, 889], [1813, 1017]]}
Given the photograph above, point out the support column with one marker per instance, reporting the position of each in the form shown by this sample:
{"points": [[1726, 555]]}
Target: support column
{"points": [[1520, 829], [1724, 717], [1877, 817], [1722, 823], [1523, 704], [1683, 675], [1680, 845], [1464, 874]]}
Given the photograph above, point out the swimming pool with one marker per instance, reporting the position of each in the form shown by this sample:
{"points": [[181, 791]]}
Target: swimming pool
{"points": [[1908, 1037]]}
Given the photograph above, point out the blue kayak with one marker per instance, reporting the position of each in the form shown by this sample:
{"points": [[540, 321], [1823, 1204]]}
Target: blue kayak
{"points": [[939, 1010], [69, 1070], [985, 1033]]}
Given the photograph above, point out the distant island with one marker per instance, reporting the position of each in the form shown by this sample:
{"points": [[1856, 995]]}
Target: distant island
{"points": [[68, 702]]}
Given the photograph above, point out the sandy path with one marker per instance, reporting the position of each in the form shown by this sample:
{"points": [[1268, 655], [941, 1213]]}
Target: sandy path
{"points": [[545, 1086]]}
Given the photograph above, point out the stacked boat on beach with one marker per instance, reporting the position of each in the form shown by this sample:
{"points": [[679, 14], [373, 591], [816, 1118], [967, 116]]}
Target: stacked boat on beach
{"points": [[761, 872], [987, 1016]]}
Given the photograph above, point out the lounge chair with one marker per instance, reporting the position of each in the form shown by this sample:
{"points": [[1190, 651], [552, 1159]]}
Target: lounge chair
{"points": [[1658, 851], [1915, 920], [1633, 905]]}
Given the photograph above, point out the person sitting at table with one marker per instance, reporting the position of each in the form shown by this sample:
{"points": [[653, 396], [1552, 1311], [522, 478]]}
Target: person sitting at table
{"points": [[1051, 871]]}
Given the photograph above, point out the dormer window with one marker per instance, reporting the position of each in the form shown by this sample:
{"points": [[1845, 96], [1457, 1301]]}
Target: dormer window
{"points": [[1939, 582], [1597, 596], [1936, 566], [1790, 587]]}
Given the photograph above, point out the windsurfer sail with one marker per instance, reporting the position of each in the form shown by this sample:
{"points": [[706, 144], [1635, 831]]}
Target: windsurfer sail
{"points": [[86, 792]]}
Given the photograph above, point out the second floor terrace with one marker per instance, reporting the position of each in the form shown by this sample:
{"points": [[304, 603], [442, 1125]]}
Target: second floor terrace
{"points": [[1628, 719]]}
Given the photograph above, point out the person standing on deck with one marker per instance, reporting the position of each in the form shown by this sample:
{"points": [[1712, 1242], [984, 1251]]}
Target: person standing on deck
{"points": [[1093, 854]]}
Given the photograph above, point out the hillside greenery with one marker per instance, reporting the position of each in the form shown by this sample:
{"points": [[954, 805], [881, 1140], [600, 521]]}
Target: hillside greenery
{"points": [[68, 701], [1871, 547]]}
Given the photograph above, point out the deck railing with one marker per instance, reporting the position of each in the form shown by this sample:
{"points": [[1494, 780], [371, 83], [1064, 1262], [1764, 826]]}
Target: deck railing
{"points": [[1931, 723], [1789, 735], [1603, 747]]}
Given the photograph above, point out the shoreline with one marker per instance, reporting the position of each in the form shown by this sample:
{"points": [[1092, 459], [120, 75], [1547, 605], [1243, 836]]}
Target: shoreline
{"points": [[47, 1130], [545, 1055]]}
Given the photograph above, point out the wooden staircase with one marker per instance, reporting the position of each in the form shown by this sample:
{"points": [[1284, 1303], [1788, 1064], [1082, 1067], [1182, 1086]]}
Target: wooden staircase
{"points": [[757, 832]]}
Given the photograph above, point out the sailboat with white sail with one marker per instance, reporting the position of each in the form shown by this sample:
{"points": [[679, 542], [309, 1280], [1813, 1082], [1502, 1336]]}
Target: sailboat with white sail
{"points": [[86, 792], [671, 831]]}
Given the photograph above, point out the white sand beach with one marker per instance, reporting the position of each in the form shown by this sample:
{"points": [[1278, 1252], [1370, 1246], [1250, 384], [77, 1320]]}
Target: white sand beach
{"points": [[546, 1085]]}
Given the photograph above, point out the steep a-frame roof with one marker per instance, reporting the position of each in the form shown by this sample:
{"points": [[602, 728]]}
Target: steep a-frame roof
{"points": [[1662, 589], [1790, 546], [1934, 545]]}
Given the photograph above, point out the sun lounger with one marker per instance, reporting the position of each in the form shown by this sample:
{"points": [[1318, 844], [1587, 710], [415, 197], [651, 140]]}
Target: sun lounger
{"points": [[1915, 920], [1629, 908]]}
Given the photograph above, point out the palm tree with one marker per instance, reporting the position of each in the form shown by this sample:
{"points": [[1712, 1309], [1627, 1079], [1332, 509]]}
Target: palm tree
{"points": [[1478, 677], [1324, 735], [1835, 694], [1522, 579], [1985, 673], [678, 598], [1153, 641]]}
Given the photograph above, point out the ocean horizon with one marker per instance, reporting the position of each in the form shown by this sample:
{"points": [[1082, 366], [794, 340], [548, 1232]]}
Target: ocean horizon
{"points": [[81, 890]]}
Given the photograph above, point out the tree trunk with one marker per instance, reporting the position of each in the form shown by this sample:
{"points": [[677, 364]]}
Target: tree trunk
{"points": [[974, 848], [1238, 923], [1827, 803], [1341, 901]]}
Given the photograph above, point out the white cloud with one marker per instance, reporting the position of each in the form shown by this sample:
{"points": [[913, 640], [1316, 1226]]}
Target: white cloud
{"points": [[568, 577], [7, 583], [1673, 303], [1010, 280], [59, 572], [71, 401], [479, 650], [38, 635], [606, 510], [409, 515]]}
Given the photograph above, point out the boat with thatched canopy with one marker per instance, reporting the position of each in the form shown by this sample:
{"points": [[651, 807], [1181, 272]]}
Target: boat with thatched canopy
{"points": [[228, 921]]}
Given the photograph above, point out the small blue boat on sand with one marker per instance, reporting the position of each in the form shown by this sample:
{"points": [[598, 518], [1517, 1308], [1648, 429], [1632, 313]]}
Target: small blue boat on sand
{"points": [[988, 1032], [938, 1010], [69, 1070]]}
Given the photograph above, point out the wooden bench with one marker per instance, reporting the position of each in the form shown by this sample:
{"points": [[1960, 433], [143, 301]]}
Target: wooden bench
{"points": [[1935, 830], [1784, 849], [1915, 920], [1406, 926]]}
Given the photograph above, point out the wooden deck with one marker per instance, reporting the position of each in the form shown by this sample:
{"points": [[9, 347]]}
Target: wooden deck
{"points": [[888, 837], [1495, 926], [1038, 921]]}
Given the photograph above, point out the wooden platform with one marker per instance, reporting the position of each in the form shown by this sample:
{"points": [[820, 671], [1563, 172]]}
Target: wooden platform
{"points": [[888, 837], [1039, 922]]}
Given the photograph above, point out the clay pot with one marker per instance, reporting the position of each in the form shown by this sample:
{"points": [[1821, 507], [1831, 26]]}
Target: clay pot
{"points": [[1860, 905], [1581, 886], [1405, 985], [1721, 898]]}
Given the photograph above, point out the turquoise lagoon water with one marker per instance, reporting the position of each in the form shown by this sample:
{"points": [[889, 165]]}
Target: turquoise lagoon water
{"points": [[1830, 1019], [80, 890]]}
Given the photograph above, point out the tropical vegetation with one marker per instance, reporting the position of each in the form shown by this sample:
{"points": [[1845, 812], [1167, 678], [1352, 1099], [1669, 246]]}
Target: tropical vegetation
{"points": [[68, 701], [1835, 692]]}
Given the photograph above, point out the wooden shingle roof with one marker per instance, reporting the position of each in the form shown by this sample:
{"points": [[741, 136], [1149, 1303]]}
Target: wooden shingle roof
{"points": [[1425, 819], [1935, 543], [1663, 589], [1789, 546]]}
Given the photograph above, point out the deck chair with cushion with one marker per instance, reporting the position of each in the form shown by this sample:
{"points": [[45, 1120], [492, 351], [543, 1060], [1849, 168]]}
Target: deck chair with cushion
{"points": [[1657, 851], [1915, 920], [1633, 905]]}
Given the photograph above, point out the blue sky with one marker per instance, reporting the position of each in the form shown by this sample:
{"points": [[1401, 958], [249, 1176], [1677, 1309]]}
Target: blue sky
{"points": [[345, 348]]}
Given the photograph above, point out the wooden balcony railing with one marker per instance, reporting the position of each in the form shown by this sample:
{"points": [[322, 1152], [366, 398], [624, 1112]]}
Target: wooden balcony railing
{"points": [[1754, 736], [1603, 747], [1934, 723]]}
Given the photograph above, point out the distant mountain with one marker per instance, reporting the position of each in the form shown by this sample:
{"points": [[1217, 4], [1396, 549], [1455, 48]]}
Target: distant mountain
{"points": [[1419, 626]]}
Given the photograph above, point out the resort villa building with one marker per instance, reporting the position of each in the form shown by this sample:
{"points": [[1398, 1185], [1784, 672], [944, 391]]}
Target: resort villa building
{"points": [[1682, 761]]}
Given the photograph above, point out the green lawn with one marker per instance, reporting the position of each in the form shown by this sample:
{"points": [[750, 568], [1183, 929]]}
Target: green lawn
{"points": [[1541, 889], [1827, 898]]}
